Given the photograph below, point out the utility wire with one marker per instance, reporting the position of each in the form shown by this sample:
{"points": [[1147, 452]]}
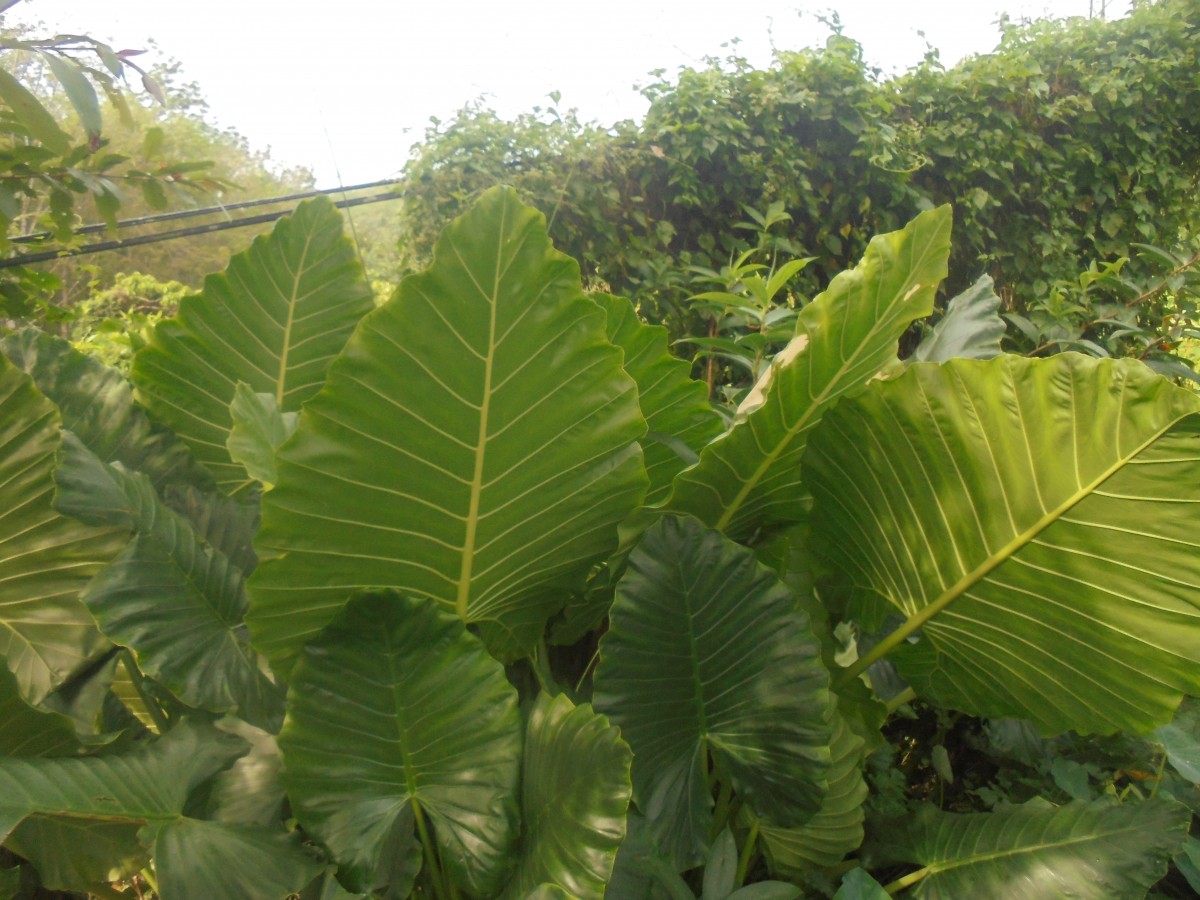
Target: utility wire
{"points": [[104, 246], [206, 211]]}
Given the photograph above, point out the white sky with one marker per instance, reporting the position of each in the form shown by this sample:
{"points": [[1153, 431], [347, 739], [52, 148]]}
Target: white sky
{"points": [[370, 73]]}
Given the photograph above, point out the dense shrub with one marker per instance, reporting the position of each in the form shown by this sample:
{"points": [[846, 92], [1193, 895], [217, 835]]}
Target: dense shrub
{"points": [[1068, 143]]}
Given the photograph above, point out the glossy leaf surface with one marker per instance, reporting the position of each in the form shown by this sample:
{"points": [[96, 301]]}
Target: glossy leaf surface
{"points": [[274, 319], [837, 828], [574, 796], [394, 711], [751, 477], [970, 329], [706, 655], [476, 444], [1010, 510]]}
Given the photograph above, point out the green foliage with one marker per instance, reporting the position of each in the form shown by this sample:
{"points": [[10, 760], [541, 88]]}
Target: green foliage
{"points": [[1072, 142], [467, 477]]}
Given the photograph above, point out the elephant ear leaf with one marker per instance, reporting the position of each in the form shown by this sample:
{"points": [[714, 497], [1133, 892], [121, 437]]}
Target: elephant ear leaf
{"points": [[747, 689], [170, 596], [679, 418], [274, 319], [97, 406], [750, 478], [475, 443], [401, 724], [572, 824], [46, 558], [146, 784], [1035, 523], [1093, 851], [970, 329]]}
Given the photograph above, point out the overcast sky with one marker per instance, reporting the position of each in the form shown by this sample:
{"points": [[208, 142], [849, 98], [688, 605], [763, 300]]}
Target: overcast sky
{"points": [[356, 81]]}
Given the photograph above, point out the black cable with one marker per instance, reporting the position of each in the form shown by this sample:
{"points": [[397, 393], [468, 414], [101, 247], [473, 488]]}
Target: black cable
{"points": [[105, 246], [209, 210]]}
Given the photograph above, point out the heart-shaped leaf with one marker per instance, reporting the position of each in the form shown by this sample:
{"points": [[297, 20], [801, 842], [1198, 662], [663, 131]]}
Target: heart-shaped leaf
{"points": [[707, 655], [1035, 521], [275, 319], [398, 719], [574, 795], [476, 443]]}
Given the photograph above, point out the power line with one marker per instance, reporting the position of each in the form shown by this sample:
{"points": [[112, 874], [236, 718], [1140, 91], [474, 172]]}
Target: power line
{"points": [[104, 246], [207, 211]]}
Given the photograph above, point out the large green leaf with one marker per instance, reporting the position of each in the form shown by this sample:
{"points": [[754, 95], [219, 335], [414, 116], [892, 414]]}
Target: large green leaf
{"points": [[148, 783], [274, 319], [750, 477], [78, 854], [574, 796], [970, 329], [27, 731], [837, 828], [398, 717], [96, 404], [206, 860], [1035, 521], [706, 654], [169, 596], [46, 559], [476, 443], [1036, 851], [679, 418]]}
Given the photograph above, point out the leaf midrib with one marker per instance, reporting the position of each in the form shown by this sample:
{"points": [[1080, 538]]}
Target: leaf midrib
{"points": [[463, 598], [817, 405], [996, 559], [293, 302]]}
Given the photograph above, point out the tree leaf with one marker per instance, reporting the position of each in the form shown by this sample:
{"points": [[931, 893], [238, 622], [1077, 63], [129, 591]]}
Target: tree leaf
{"points": [[706, 654], [1010, 510], [29, 111], [96, 404], [479, 436], [145, 784], [203, 860], [970, 329], [837, 828], [257, 431], [79, 91], [396, 711], [672, 403], [274, 319], [575, 792], [168, 596], [751, 477], [1035, 850], [47, 559]]}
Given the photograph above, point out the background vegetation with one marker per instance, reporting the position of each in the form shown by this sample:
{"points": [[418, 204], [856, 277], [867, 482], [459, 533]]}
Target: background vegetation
{"points": [[1071, 158]]}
